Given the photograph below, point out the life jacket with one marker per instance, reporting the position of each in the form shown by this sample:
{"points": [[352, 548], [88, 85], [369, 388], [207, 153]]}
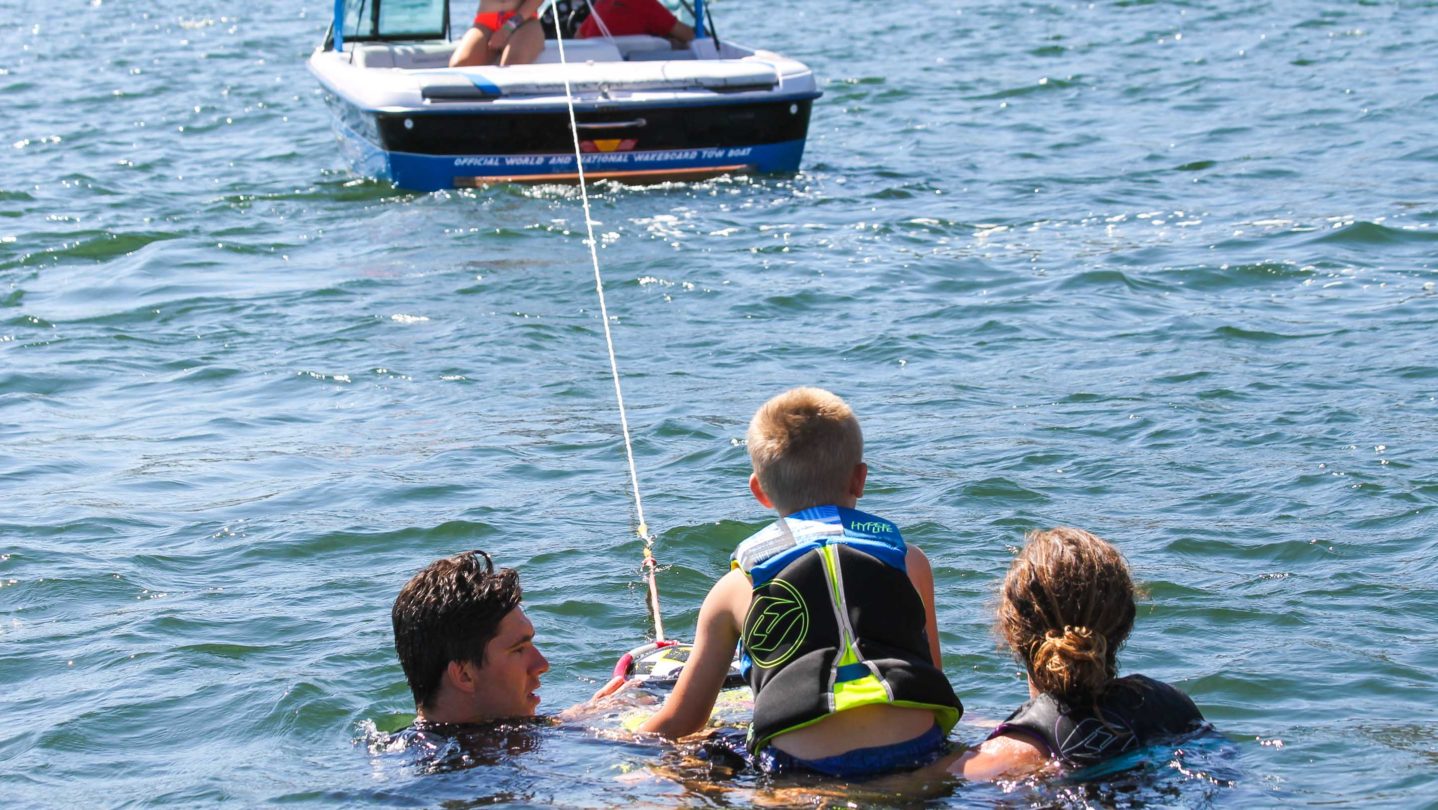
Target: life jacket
{"points": [[1132, 712], [834, 623]]}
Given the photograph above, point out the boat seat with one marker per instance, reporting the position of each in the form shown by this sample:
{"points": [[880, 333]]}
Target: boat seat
{"points": [[645, 48], [580, 50], [408, 55], [479, 83], [430, 55]]}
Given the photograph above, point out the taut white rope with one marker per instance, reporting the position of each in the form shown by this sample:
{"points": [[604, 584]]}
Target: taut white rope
{"points": [[642, 530]]}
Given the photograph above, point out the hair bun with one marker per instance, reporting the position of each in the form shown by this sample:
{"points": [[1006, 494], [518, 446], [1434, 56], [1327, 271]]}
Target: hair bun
{"points": [[1073, 662], [1083, 641]]}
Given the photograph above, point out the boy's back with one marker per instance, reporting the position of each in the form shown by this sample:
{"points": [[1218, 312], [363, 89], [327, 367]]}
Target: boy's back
{"points": [[834, 611]]}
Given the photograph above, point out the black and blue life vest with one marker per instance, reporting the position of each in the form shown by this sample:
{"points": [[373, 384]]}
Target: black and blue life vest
{"points": [[1132, 712], [834, 623]]}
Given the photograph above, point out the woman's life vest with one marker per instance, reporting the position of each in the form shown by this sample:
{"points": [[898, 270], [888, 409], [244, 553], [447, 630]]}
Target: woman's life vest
{"points": [[1132, 712], [834, 623]]}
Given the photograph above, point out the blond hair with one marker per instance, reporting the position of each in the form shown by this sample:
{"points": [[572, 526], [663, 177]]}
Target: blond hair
{"points": [[1067, 606], [805, 444]]}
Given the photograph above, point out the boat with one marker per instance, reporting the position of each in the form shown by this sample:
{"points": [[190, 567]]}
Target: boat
{"points": [[645, 111]]}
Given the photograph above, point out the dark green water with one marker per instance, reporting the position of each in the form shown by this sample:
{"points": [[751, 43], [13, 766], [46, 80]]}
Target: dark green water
{"points": [[1163, 270]]}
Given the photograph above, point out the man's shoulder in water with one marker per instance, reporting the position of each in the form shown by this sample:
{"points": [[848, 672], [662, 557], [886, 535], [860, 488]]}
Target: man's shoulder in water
{"points": [[436, 747]]}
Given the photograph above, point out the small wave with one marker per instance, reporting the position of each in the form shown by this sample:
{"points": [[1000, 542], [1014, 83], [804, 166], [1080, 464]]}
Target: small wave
{"points": [[1258, 335], [1196, 166], [47, 385], [1239, 276], [453, 533], [1108, 278], [804, 301], [345, 189], [1043, 85], [1373, 233], [1003, 490], [28, 322], [1416, 372], [95, 246], [1184, 377], [1428, 154]]}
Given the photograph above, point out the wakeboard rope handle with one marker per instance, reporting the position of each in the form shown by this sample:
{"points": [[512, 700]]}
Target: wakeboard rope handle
{"points": [[649, 565]]}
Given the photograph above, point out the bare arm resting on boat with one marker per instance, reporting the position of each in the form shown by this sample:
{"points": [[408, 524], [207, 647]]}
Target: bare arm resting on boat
{"points": [[720, 618]]}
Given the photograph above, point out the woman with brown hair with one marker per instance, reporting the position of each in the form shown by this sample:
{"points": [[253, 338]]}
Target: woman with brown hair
{"points": [[1066, 607]]}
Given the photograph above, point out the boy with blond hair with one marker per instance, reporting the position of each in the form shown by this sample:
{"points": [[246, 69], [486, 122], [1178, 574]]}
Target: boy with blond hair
{"points": [[833, 612]]}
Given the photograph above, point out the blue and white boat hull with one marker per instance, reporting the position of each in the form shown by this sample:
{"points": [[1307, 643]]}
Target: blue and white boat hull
{"points": [[644, 113]]}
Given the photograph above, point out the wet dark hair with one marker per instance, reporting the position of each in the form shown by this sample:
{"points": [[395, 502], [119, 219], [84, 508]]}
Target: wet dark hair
{"points": [[449, 612], [1067, 606]]}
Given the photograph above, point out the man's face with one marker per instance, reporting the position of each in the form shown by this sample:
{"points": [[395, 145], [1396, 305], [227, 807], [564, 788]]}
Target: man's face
{"points": [[512, 666]]}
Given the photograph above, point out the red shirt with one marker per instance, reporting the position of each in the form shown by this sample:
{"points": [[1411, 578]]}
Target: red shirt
{"points": [[624, 17]]}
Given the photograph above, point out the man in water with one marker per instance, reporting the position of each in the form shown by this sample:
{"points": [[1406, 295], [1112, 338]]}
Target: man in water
{"points": [[505, 32], [466, 647]]}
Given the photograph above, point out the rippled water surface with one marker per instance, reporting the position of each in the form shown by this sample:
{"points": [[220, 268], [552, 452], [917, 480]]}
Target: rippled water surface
{"points": [[1164, 270]]}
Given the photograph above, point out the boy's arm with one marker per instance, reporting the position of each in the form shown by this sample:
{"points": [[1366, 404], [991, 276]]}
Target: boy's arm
{"points": [[922, 576], [720, 621]]}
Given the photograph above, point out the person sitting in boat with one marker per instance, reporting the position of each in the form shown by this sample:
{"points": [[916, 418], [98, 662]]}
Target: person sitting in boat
{"points": [[505, 32], [833, 611], [1067, 606], [619, 18]]}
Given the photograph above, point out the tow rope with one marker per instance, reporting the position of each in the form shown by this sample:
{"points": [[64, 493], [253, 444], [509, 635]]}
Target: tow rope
{"points": [[649, 565]]}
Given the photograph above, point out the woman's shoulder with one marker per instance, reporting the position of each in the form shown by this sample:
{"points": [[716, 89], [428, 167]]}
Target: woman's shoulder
{"points": [[1161, 707], [1131, 712]]}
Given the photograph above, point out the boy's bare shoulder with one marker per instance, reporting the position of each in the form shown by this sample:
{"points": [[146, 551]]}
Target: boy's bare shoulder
{"points": [[916, 560], [731, 593]]}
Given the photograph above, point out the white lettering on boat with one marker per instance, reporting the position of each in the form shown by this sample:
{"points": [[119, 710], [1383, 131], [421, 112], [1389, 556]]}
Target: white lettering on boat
{"points": [[604, 158]]}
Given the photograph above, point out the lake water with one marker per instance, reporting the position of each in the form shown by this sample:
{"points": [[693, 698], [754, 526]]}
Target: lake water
{"points": [[1162, 270]]}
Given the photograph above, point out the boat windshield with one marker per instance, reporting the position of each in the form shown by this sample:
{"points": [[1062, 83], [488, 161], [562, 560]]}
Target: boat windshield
{"points": [[395, 19]]}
